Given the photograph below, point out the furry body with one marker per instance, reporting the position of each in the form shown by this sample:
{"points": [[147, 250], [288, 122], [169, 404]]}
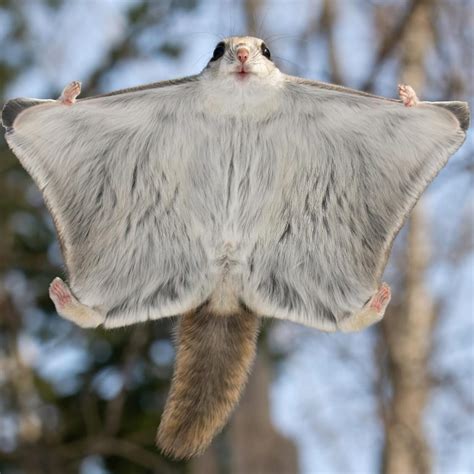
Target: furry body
{"points": [[163, 203], [236, 193]]}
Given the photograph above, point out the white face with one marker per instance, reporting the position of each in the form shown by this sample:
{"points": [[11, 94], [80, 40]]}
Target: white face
{"points": [[241, 58], [241, 79]]}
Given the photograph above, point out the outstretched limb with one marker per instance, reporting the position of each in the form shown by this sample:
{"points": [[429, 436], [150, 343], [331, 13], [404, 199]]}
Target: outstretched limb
{"points": [[408, 95], [70, 92], [69, 307], [371, 313]]}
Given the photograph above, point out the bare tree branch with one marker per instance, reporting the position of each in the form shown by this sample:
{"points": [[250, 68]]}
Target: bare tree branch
{"points": [[389, 43]]}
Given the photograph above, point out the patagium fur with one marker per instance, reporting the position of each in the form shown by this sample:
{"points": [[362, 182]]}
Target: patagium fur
{"points": [[226, 200]]}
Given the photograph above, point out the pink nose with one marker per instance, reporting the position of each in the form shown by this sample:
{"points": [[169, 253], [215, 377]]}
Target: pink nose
{"points": [[242, 54]]}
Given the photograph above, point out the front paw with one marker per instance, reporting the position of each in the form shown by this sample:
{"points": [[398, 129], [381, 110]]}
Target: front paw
{"points": [[408, 95], [70, 92]]}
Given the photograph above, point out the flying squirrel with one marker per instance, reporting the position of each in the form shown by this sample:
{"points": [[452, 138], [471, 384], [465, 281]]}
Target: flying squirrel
{"points": [[224, 197]]}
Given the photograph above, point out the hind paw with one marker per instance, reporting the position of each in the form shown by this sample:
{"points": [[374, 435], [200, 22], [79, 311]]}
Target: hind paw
{"points": [[381, 299], [60, 293]]}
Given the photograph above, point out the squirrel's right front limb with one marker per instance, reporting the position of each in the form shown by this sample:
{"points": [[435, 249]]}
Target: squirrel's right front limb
{"points": [[70, 92], [70, 308]]}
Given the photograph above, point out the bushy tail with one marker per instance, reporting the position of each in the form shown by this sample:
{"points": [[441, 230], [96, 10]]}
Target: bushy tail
{"points": [[212, 364]]}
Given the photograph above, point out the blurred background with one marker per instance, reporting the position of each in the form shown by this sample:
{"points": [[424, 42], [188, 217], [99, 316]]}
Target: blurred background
{"points": [[397, 398]]}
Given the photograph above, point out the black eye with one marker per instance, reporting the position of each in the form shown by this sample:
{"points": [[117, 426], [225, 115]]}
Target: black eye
{"points": [[219, 51], [266, 51]]}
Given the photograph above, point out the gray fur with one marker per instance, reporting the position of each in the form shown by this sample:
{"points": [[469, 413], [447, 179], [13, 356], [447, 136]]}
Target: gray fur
{"points": [[284, 197], [15, 106], [154, 85], [459, 109]]}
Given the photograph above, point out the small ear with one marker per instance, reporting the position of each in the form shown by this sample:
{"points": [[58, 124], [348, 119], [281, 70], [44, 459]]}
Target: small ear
{"points": [[460, 110], [14, 107]]}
